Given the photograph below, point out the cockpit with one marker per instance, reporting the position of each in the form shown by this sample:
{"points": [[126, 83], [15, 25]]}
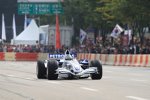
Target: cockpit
{"points": [[68, 57]]}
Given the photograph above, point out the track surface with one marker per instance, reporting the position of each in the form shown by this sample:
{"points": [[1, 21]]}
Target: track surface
{"points": [[18, 82]]}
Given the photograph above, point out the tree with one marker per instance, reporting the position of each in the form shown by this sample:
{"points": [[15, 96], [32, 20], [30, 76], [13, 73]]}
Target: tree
{"points": [[105, 14], [136, 14]]}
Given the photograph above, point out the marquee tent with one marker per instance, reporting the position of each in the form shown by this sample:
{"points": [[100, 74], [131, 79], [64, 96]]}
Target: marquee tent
{"points": [[29, 36]]}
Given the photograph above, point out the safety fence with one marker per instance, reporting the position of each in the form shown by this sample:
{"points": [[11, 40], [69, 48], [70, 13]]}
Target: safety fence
{"points": [[106, 59], [22, 56], [142, 60]]}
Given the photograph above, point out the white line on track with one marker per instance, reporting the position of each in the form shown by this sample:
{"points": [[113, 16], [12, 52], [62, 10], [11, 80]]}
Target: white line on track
{"points": [[138, 80], [53, 82], [135, 98], [13, 76], [10, 75], [89, 89], [29, 78]]}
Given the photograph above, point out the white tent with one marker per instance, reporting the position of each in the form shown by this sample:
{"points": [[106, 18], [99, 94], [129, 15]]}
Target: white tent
{"points": [[29, 36], [45, 36], [42, 36]]}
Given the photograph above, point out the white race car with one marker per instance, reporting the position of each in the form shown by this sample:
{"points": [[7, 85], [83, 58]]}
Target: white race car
{"points": [[68, 67]]}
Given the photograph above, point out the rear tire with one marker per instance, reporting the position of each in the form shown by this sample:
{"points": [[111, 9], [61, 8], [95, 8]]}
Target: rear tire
{"points": [[96, 76], [40, 70], [52, 66]]}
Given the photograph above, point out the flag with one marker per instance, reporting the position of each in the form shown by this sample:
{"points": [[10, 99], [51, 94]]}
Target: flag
{"points": [[82, 35], [3, 28], [25, 21], [14, 27], [129, 34], [116, 31], [58, 44]]}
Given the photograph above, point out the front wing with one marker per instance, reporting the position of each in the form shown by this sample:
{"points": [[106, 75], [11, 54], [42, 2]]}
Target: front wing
{"points": [[85, 72]]}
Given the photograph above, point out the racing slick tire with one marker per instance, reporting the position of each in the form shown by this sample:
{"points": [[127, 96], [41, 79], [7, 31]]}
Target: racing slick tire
{"points": [[40, 70], [96, 76], [51, 70]]}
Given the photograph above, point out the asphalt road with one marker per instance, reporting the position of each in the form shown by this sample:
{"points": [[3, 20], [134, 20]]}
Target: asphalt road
{"points": [[18, 82]]}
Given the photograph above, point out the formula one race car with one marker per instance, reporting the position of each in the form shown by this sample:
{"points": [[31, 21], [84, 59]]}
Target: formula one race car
{"points": [[68, 67]]}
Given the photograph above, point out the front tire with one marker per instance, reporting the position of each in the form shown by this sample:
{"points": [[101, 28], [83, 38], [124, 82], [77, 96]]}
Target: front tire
{"points": [[52, 66], [40, 70], [96, 76]]}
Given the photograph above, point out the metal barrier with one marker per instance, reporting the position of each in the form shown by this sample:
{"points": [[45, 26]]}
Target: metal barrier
{"points": [[119, 59], [10, 56], [116, 59], [2, 56], [26, 56]]}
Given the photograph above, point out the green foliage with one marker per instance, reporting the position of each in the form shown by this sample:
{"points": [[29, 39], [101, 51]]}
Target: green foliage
{"points": [[104, 14]]}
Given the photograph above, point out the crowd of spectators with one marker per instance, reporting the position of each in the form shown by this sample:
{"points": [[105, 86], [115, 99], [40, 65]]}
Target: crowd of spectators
{"points": [[99, 47], [31, 48], [118, 46]]}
